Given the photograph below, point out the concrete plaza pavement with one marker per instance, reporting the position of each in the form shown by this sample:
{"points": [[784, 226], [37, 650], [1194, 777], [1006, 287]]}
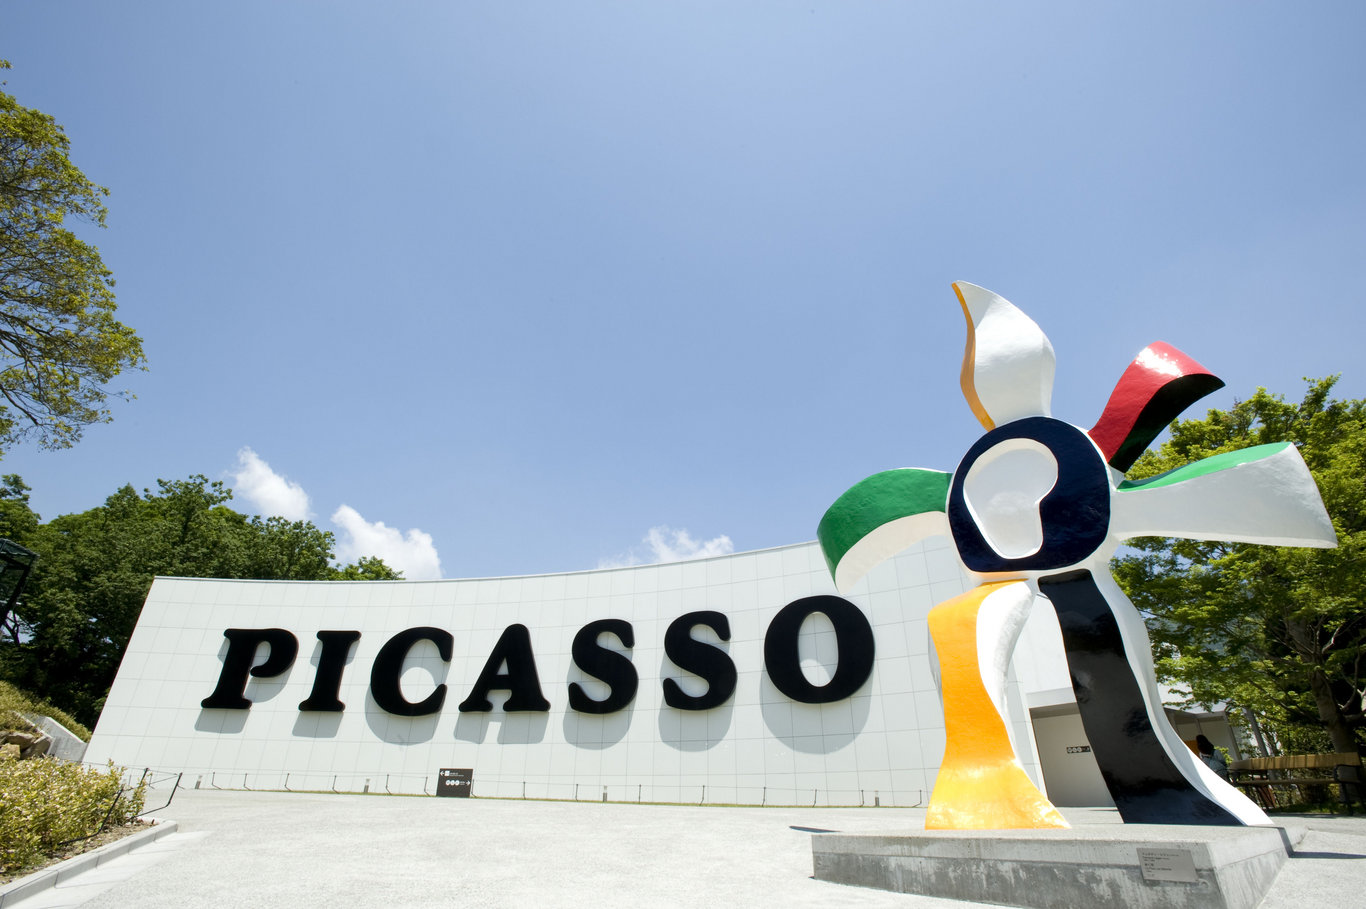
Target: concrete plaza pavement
{"points": [[279, 849]]}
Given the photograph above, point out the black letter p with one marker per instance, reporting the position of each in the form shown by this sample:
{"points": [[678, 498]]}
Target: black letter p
{"points": [[237, 663]]}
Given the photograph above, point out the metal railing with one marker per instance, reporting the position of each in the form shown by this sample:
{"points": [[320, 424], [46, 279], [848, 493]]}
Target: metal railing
{"points": [[551, 788]]}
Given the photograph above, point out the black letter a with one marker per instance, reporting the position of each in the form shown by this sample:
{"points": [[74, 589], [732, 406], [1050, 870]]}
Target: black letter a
{"points": [[521, 680]]}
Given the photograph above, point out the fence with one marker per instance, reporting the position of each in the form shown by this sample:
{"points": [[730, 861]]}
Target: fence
{"points": [[558, 788]]}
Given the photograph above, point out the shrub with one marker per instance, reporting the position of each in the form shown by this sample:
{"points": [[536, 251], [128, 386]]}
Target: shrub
{"points": [[46, 803]]}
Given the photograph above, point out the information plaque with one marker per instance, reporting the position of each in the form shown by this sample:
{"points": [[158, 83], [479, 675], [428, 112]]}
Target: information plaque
{"points": [[1167, 865]]}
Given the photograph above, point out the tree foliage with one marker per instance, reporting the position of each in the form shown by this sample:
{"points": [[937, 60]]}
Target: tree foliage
{"points": [[59, 341], [367, 568], [94, 569], [1279, 633]]}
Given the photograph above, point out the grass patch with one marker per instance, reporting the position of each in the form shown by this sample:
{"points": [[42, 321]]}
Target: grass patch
{"points": [[14, 702]]}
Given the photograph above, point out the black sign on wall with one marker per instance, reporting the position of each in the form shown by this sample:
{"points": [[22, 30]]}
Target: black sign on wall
{"points": [[455, 782]]}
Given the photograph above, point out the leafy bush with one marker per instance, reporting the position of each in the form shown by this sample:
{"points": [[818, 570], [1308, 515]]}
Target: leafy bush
{"points": [[45, 803], [1303, 739], [14, 702]]}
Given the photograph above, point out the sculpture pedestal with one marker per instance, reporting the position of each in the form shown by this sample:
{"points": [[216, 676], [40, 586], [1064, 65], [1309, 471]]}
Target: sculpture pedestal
{"points": [[1129, 866]]}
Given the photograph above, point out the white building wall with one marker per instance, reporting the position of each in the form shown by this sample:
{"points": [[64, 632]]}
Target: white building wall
{"points": [[1068, 764], [885, 742]]}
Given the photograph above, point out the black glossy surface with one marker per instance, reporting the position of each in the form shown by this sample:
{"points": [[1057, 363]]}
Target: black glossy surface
{"points": [[230, 691], [701, 659], [1075, 513], [855, 641], [336, 647], [1146, 785], [608, 666], [521, 680], [388, 667]]}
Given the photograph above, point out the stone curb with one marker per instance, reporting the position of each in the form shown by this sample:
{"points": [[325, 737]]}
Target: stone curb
{"points": [[62, 872]]}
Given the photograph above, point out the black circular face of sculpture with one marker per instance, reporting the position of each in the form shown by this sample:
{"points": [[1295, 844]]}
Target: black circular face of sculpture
{"points": [[1074, 514]]}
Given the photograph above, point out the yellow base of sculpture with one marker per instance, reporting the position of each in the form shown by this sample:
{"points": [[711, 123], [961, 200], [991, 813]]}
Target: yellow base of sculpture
{"points": [[981, 785]]}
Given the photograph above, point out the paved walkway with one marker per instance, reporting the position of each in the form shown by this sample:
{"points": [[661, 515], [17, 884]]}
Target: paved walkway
{"points": [[248, 849]]}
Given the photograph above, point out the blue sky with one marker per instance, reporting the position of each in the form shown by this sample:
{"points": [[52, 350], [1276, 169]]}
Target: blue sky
{"points": [[524, 281]]}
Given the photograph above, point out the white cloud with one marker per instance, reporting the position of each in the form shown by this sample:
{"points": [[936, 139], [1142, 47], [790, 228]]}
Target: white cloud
{"points": [[267, 490], [272, 494], [411, 553], [663, 544]]}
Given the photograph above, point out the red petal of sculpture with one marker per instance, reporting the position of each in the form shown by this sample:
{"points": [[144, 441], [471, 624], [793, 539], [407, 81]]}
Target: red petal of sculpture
{"points": [[1159, 384]]}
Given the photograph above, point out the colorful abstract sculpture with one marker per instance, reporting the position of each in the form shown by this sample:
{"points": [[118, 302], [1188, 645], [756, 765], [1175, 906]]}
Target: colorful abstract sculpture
{"points": [[1037, 507]]}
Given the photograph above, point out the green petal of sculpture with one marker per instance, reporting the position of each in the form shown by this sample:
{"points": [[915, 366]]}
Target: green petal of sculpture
{"points": [[879, 517]]}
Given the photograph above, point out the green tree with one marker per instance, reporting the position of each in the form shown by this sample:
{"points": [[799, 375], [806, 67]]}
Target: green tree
{"points": [[366, 568], [95, 568], [59, 341], [281, 549], [17, 520], [1279, 633]]}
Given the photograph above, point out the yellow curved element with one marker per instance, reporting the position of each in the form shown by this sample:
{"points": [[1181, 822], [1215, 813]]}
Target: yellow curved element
{"points": [[981, 785], [965, 378]]}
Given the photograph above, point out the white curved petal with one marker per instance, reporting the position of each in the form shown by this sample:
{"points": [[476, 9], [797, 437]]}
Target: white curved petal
{"points": [[1271, 500], [1008, 364]]}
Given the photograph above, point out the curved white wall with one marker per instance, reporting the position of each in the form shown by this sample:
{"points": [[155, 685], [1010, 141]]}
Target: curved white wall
{"points": [[883, 742]]}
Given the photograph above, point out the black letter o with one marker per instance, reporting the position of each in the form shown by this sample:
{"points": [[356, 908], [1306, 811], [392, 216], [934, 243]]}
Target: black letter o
{"points": [[853, 635]]}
